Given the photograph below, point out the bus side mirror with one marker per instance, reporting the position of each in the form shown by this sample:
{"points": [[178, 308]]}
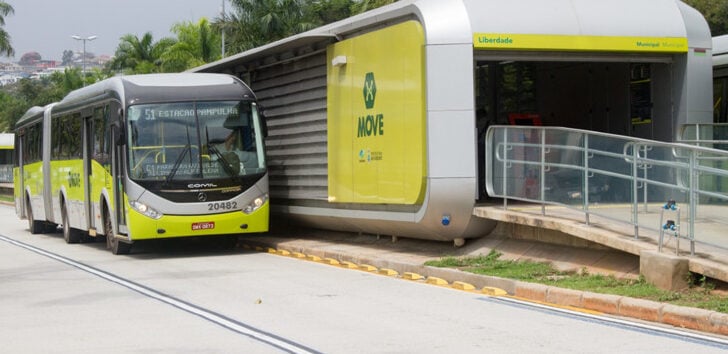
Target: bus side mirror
{"points": [[263, 121], [264, 126]]}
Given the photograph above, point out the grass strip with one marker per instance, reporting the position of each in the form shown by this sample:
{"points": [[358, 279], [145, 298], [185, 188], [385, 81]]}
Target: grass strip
{"points": [[700, 294]]}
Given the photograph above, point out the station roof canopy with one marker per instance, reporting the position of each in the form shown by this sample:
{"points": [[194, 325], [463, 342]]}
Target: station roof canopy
{"points": [[650, 18], [669, 25]]}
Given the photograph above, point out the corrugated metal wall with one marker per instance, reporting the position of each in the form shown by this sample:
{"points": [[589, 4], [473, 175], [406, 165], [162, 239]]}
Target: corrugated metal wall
{"points": [[293, 96]]}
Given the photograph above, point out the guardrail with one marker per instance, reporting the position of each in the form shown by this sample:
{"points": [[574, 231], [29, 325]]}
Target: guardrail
{"points": [[710, 135], [627, 180]]}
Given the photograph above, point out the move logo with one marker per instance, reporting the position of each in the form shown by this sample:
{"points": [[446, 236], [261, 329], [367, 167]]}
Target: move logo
{"points": [[371, 123], [370, 90]]}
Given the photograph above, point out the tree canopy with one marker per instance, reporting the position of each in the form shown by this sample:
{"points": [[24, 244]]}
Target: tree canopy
{"points": [[715, 12], [249, 24], [5, 46]]}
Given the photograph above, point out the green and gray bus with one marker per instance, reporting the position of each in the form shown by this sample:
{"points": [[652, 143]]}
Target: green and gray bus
{"points": [[144, 157]]}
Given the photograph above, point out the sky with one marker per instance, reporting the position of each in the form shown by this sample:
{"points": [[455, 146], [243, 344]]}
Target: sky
{"points": [[46, 26]]}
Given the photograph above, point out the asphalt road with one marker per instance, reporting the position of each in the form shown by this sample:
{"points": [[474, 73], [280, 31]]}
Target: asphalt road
{"points": [[180, 297]]}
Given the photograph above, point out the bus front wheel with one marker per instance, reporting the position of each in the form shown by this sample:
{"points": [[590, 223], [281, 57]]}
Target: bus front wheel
{"points": [[113, 243]]}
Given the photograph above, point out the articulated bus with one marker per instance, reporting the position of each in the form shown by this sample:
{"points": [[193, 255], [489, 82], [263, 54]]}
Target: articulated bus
{"points": [[144, 157]]}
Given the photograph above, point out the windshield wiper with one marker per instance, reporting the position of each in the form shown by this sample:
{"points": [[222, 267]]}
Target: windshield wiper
{"points": [[223, 161], [177, 163]]}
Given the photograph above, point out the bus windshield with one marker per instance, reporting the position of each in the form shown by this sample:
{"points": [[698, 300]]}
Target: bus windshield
{"points": [[194, 141]]}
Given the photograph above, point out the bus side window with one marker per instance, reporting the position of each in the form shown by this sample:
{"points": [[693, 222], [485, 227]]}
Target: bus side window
{"points": [[100, 141]]}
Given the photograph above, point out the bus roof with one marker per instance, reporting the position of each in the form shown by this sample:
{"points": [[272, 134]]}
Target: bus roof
{"points": [[134, 89], [33, 113], [720, 50]]}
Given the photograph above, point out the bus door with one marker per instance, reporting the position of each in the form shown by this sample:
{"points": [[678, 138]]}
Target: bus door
{"points": [[117, 167], [19, 180], [88, 180]]}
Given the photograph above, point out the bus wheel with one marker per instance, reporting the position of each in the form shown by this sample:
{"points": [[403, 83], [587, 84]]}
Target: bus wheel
{"points": [[69, 234], [35, 227], [112, 243]]}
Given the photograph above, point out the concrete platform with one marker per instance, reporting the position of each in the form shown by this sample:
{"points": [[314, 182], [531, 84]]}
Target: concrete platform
{"points": [[708, 260], [356, 248]]}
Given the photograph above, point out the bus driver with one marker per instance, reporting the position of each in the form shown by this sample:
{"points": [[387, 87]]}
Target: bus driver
{"points": [[232, 153]]}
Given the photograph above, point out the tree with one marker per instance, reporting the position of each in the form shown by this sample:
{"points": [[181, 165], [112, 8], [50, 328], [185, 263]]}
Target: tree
{"points": [[715, 12], [256, 22], [67, 58], [30, 58], [11, 109], [322, 12], [140, 55], [197, 44], [366, 5], [5, 46], [253, 23], [65, 82]]}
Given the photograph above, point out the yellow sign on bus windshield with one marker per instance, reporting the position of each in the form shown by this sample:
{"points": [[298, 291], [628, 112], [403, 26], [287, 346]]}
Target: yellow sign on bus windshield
{"points": [[376, 117]]}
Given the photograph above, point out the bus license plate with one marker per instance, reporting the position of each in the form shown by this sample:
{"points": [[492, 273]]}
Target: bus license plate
{"points": [[209, 225]]}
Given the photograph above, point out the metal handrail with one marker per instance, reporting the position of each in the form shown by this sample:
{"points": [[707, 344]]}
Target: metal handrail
{"points": [[517, 157]]}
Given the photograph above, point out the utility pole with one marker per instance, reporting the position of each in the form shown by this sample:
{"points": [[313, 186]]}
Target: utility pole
{"points": [[223, 29], [83, 59]]}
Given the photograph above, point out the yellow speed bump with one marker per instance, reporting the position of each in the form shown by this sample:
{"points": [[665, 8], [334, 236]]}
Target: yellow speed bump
{"points": [[463, 286], [489, 290], [272, 250], [367, 268], [298, 255], [388, 272], [331, 261], [436, 281], [411, 276], [284, 253], [349, 265], [311, 257]]}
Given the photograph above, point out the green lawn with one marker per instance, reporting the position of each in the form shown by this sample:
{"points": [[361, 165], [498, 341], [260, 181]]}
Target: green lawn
{"points": [[700, 294]]}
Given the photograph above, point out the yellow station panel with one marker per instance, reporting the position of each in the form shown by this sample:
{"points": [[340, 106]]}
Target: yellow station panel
{"points": [[580, 43], [376, 117]]}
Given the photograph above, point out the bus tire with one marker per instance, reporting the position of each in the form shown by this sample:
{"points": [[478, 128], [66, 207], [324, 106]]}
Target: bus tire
{"points": [[35, 227], [113, 243], [70, 234]]}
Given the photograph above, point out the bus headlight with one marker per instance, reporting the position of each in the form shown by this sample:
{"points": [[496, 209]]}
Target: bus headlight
{"points": [[146, 210], [255, 204]]}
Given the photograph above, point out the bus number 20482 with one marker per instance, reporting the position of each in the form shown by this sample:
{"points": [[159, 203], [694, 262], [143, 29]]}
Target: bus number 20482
{"points": [[222, 206]]}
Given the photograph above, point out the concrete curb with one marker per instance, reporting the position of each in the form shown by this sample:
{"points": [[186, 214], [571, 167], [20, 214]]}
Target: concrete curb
{"points": [[678, 316]]}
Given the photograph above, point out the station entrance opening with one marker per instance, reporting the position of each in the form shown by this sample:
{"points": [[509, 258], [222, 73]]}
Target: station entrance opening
{"points": [[626, 95]]}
